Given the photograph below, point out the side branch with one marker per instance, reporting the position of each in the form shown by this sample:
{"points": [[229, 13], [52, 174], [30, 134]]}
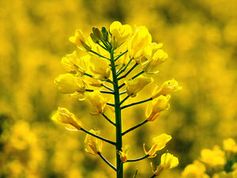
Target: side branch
{"points": [[110, 89], [134, 127], [120, 55], [136, 103], [135, 76], [106, 117], [110, 104], [101, 138], [106, 161], [124, 99], [99, 55], [124, 68], [137, 159], [128, 72], [101, 91]]}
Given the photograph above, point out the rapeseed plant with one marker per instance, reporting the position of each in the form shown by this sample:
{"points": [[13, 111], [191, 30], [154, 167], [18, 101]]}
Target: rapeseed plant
{"points": [[102, 71]]}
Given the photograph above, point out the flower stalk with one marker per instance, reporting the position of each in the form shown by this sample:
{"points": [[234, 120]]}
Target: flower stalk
{"points": [[109, 60], [117, 117]]}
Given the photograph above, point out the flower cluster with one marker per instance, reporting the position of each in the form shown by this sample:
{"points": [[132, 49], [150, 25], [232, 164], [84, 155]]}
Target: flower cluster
{"points": [[216, 162], [108, 68]]}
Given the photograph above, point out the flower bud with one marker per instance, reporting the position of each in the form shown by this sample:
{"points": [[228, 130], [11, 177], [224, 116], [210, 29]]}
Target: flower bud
{"points": [[66, 118], [79, 40], [153, 57], [168, 161], [69, 83], [75, 62], [230, 145], [156, 107], [105, 33], [123, 156], [166, 88], [214, 157], [138, 42], [136, 85], [100, 68], [97, 101], [196, 170], [93, 145], [119, 33], [159, 142]]}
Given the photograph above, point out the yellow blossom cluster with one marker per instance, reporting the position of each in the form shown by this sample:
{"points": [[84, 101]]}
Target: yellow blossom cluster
{"points": [[214, 163], [101, 71]]}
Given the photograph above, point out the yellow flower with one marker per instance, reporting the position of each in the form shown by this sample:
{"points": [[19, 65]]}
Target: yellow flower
{"points": [[157, 106], [138, 42], [159, 142], [153, 56], [136, 85], [75, 62], [100, 68], [168, 161], [214, 157], [230, 145], [66, 118], [69, 83], [97, 101], [195, 170], [93, 145], [119, 33], [166, 88], [123, 155], [224, 174], [79, 40], [93, 82]]}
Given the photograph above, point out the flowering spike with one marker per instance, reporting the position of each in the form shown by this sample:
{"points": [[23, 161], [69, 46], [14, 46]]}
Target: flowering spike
{"points": [[115, 61]]}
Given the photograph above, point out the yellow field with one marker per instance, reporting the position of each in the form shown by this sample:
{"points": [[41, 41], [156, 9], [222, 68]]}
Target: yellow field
{"points": [[200, 38]]}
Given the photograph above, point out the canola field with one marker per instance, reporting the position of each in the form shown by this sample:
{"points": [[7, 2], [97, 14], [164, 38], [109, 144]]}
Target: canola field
{"points": [[193, 51]]}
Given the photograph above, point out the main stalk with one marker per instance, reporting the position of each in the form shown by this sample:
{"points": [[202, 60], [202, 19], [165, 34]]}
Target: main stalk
{"points": [[119, 164]]}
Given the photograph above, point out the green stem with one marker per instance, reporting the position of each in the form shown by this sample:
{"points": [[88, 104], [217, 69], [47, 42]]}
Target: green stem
{"points": [[101, 91], [136, 103], [137, 75], [120, 55], [134, 127], [101, 138], [106, 161], [110, 89], [124, 99], [128, 72], [98, 54], [137, 159], [106, 117], [125, 67], [119, 164]]}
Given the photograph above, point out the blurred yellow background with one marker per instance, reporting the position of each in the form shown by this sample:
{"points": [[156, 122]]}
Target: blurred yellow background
{"points": [[200, 37]]}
